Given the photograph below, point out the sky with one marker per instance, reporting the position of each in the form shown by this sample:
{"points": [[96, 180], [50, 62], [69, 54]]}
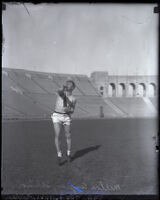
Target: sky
{"points": [[121, 39]]}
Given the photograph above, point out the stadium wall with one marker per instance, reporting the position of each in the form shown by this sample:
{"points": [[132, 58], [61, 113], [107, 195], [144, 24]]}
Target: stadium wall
{"points": [[125, 86]]}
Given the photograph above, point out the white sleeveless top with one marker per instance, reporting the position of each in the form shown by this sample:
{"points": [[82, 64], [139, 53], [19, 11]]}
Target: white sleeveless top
{"points": [[59, 103]]}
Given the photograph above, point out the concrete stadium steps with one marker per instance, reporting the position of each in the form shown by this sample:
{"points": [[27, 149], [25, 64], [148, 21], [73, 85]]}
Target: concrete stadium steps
{"points": [[23, 104], [47, 84], [56, 79], [34, 94], [94, 110], [36, 82], [86, 106], [116, 108], [92, 105], [154, 101], [89, 99], [80, 112], [25, 82], [86, 86], [149, 104], [8, 83], [11, 113], [45, 101], [133, 107], [30, 94]]}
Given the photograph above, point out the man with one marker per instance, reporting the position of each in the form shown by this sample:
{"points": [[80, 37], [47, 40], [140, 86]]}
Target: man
{"points": [[64, 108]]}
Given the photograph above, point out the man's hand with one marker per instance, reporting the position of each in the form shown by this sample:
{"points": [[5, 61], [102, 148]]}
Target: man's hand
{"points": [[68, 110], [61, 93], [69, 102], [71, 107]]}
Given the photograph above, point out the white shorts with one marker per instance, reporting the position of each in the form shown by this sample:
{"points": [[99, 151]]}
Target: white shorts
{"points": [[65, 119]]}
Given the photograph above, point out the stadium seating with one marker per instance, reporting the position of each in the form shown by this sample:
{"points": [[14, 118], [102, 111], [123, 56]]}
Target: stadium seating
{"points": [[46, 101], [22, 104], [133, 107], [7, 83], [154, 101], [11, 113], [84, 84], [80, 112], [23, 79], [47, 84], [28, 94]]}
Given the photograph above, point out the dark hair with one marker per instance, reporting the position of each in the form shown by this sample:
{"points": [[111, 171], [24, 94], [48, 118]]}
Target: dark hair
{"points": [[74, 85]]}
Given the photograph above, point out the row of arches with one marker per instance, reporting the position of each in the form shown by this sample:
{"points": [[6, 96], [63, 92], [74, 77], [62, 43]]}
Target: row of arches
{"points": [[130, 90]]}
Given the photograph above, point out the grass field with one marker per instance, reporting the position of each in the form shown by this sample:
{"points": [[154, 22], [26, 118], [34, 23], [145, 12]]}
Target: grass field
{"points": [[109, 156]]}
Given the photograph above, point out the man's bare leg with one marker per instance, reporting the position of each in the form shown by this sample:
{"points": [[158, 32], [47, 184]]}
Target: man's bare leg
{"points": [[67, 130], [57, 128]]}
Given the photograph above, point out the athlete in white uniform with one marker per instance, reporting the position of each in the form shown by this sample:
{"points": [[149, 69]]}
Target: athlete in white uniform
{"points": [[64, 108]]}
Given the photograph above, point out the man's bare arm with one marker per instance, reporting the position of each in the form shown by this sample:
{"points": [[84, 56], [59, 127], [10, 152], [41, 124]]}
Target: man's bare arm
{"points": [[72, 106], [70, 103], [61, 92]]}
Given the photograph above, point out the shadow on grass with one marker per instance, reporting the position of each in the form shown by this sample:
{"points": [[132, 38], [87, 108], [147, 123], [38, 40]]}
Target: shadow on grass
{"points": [[65, 161], [82, 152]]}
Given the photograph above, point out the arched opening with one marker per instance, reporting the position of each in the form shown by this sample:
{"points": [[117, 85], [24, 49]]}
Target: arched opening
{"points": [[101, 88], [121, 90], [112, 90], [141, 90], [101, 93], [131, 90], [152, 90]]}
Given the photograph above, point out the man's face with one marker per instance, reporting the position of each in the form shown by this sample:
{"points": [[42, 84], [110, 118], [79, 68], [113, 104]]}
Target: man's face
{"points": [[70, 86]]}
